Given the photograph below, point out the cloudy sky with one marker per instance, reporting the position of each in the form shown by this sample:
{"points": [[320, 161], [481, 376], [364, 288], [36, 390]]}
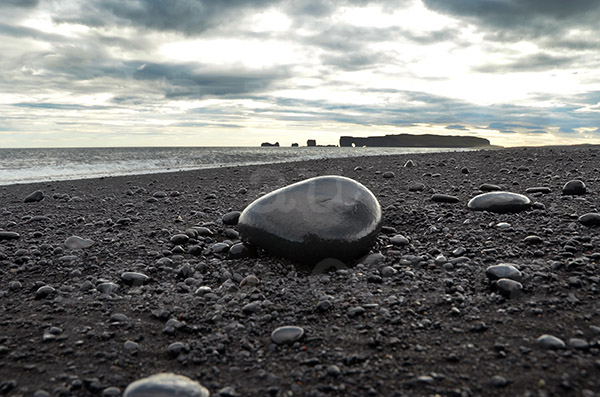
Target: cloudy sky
{"points": [[241, 72]]}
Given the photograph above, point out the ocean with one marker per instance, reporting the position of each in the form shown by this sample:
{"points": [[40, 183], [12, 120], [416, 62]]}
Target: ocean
{"points": [[41, 165]]}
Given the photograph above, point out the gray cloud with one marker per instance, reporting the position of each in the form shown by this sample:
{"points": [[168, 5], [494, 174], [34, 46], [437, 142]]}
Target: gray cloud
{"points": [[187, 16], [20, 32], [457, 127], [19, 3], [530, 63], [515, 19], [190, 80]]}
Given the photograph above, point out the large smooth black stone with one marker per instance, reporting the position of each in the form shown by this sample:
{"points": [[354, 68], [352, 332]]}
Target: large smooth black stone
{"points": [[319, 218], [500, 202]]}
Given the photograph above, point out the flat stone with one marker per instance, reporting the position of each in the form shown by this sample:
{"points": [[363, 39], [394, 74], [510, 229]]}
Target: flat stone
{"points": [[416, 187], [76, 243], [574, 188], [590, 219], [488, 187], [319, 218], [499, 202], [538, 189], [444, 198], [134, 279], [550, 342], [388, 175], [509, 288], [165, 385], [503, 270], [287, 335], [533, 239], [34, 197], [4, 235]]}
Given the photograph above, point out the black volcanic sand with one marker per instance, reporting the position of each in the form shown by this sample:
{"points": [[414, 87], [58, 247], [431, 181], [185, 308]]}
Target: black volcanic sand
{"points": [[419, 322]]}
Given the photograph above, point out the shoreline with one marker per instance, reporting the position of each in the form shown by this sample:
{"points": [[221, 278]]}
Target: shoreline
{"points": [[200, 167], [418, 318]]}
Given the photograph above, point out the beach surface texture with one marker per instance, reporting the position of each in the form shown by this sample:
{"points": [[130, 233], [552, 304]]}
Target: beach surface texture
{"points": [[104, 282]]}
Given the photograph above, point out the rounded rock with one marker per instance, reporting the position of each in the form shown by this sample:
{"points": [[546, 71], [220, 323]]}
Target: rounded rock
{"points": [[34, 197], [319, 218], [488, 187], [444, 198], [503, 270], [77, 243], [107, 288], [509, 288], [399, 240], [179, 239], [499, 202], [134, 279], [590, 219], [4, 235], [165, 385], [44, 291], [238, 251], [231, 218], [287, 335], [388, 175], [550, 342], [574, 188]]}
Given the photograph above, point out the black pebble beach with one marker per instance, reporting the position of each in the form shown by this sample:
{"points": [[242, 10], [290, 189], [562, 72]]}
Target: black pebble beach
{"points": [[158, 291]]}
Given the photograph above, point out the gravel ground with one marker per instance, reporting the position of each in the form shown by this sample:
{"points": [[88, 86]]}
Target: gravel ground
{"points": [[417, 317]]}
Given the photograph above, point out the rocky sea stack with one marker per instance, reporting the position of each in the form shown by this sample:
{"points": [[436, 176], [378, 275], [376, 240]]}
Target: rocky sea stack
{"points": [[312, 220]]}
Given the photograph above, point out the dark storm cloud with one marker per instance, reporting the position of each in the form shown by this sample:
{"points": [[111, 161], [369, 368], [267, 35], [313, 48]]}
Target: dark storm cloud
{"points": [[187, 16], [19, 3], [189, 80], [515, 19], [530, 63]]}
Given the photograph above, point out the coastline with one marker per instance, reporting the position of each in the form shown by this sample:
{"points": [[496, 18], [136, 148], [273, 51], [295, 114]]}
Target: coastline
{"points": [[431, 327], [85, 163]]}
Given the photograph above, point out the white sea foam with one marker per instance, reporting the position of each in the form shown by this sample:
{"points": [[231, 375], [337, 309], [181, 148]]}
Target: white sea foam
{"points": [[40, 165]]}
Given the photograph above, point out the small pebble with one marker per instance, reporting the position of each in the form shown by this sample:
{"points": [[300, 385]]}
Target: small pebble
{"points": [[287, 334], [550, 342]]}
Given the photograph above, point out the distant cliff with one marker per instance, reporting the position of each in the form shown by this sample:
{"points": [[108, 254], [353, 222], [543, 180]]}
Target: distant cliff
{"points": [[407, 140]]}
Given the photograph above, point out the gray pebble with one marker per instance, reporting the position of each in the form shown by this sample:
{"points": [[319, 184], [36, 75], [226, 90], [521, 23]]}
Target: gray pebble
{"points": [[550, 342], [287, 334]]}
